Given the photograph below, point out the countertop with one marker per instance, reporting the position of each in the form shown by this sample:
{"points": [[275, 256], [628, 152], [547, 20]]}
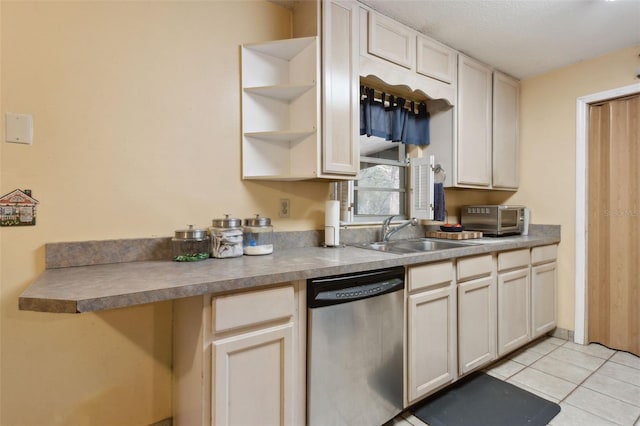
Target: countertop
{"points": [[110, 286]]}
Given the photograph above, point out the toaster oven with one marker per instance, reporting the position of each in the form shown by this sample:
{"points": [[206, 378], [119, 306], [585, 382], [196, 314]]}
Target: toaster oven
{"points": [[493, 220]]}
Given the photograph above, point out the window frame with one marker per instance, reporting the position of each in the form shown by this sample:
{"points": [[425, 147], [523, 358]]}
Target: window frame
{"points": [[402, 162]]}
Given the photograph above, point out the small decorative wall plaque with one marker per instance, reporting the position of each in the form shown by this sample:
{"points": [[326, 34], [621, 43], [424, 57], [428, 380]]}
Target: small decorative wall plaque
{"points": [[18, 208]]}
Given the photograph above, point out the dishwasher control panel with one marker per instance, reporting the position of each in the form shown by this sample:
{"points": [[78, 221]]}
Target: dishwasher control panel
{"points": [[351, 287], [360, 291]]}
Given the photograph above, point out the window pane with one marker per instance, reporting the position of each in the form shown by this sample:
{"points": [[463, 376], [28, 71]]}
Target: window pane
{"points": [[380, 176], [379, 203]]}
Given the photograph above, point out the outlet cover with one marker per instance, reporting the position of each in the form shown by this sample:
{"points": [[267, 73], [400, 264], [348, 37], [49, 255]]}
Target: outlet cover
{"points": [[18, 128], [284, 211]]}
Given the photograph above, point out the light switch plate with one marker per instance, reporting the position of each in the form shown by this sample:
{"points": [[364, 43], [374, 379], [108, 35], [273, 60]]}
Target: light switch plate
{"points": [[18, 128]]}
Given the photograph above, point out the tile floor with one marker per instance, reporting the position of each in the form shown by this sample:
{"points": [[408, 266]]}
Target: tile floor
{"points": [[594, 385]]}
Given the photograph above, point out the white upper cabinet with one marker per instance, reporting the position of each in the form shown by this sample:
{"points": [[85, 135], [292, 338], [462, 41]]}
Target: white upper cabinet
{"points": [[394, 42], [474, 123], [488, 154], [474, 108], [340, 89], [436, 60], [300, 99], [280, 95], [391, 40], [506, 145], [401, 56]]}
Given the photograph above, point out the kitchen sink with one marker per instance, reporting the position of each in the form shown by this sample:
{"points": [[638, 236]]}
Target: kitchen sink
{"points": [[411, 246]]}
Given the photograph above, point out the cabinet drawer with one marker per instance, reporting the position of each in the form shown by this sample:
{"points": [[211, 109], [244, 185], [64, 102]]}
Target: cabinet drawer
{"points": [[474, 267], [246, 309], [513, 259], [544, 254], [425, 276], [391, 40]]}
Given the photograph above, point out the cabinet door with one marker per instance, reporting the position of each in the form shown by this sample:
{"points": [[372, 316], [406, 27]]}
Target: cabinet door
{"points": [[431, 342], [513, 310], [543, 298], [474, 123], [391, 40], [254, 378], [506, 145], [436, 60], [477, 323], [340, 108]]}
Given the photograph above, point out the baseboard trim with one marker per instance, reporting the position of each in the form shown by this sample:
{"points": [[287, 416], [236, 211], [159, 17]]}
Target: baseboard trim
{"points": [[562, 333]]}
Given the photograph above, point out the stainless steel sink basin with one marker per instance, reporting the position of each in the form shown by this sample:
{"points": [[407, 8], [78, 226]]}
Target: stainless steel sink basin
{"points": [[411, 246]]}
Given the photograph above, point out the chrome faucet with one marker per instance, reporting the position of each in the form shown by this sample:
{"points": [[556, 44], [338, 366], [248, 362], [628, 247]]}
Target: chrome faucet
{"points": [[388, 231]]}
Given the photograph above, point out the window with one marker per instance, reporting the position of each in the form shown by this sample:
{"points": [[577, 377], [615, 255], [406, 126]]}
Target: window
{"points": [[381, 190]]}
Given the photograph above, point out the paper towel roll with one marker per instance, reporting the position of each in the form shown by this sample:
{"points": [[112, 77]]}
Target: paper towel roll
{"points": [[332, 223]]}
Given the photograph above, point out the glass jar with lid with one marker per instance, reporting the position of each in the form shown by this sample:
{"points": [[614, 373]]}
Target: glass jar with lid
{"points": [[258, 236], [226, 237], [190, 244]]}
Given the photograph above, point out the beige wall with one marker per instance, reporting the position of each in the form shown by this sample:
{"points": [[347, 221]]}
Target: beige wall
{"points": [[136, 109], [548, 138]]}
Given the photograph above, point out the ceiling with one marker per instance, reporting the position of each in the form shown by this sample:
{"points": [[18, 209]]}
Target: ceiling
{"points": [[522, 37]]}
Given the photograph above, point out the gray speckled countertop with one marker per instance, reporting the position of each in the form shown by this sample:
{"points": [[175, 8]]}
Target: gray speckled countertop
{"points": [[109, 286]]}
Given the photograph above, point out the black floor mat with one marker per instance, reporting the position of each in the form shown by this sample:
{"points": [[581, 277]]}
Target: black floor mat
{"points": [[483, 400]]}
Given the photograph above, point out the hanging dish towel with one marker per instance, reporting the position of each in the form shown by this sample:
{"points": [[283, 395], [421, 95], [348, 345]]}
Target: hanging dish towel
{"points": [[438, 203]]}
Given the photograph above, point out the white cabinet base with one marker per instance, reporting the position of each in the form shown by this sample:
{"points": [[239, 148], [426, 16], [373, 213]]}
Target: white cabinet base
{"points": [[543, 298], [236, 364], [432, 359], [254, 378], [477, 323], [431, 329], [513, 310]]}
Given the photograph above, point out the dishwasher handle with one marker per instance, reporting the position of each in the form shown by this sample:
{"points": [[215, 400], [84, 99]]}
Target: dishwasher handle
{"points": [[328, 297]]}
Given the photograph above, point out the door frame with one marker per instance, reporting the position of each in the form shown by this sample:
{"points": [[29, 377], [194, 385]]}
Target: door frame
{"points": [[582, 140]]}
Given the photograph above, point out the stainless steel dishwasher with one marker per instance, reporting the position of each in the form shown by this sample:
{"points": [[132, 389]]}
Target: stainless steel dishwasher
{"points": [[354, 352]]}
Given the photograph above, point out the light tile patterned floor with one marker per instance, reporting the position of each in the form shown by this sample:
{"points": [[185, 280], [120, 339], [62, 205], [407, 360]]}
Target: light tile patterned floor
{"points": [[594, 385]]}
